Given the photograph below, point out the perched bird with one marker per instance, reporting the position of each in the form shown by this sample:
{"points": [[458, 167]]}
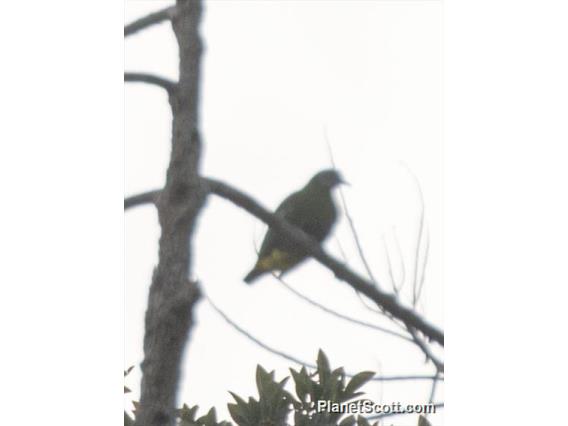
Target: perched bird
{"points": [[310, 209]]}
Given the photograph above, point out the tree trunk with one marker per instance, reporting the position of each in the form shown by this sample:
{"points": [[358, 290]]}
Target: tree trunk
{"points": [[172, 294]]}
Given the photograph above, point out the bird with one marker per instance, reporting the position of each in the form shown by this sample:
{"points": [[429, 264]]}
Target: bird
{"points": [[313, 211]]}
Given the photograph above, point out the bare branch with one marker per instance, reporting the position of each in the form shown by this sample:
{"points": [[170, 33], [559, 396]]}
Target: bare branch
{"points": [[149, 197], [346, 262], [254, 339], [341, 251], [298, 237], [433, 391], [364, 303], [298, 361], [294, 234], [424, 264], [419, 238], [339, 315], [394, 286], [147, 21], [138, 77], [350, 220], [401, 257]]}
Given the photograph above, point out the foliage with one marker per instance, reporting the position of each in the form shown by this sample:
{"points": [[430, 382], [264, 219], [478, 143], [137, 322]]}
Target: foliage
{"points": [[187, 415], [276, 406], [329, 386]]}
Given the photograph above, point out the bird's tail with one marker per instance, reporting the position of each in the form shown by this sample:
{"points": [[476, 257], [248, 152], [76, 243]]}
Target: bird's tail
{"points": [[253, 275]]}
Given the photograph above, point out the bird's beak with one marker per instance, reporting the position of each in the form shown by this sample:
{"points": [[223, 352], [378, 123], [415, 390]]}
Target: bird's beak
{"points": [[344, 182]]}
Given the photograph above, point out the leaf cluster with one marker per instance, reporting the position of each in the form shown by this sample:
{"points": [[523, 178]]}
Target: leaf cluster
{"points": [[187, 415], [275, 406], [326, 384]]}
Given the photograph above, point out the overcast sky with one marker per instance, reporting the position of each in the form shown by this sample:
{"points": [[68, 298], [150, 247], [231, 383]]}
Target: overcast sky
{"points": [[275, 75]]}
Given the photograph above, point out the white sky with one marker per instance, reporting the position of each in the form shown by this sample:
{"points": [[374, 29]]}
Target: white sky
{"points": [[274, 75]]}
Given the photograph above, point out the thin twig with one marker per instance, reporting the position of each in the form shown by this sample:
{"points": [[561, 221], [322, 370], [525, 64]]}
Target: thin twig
{"points": [[354, 233], [139, 77], [439, 365], [424, 263], [341, 251], [337, 314], [346, 261], [419, 239], [370, 308], [389, 264], [350, 219], [297, 360], [401, 257], [432, 393], [254, 339], [396, 288], [151, 19]]}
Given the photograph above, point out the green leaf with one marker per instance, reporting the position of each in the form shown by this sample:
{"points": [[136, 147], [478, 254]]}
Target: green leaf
{"points": [[238, 399], [334, 387], [357, 381], [303, 383], [187, 414], [236, 414], [208, 419], [263, 379], [323, 367]]}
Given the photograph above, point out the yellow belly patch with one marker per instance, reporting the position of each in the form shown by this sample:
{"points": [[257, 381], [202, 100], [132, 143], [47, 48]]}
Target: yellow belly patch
{"points": [[277, 260]]}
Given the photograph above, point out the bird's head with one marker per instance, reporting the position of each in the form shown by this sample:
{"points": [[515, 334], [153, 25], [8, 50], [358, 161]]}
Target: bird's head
{"points": [[327, 179]]}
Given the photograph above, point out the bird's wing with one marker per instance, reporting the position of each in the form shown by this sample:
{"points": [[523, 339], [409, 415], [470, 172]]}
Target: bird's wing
{"points": [[288, 210]]}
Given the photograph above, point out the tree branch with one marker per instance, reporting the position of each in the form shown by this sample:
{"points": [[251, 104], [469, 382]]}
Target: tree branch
{"points": [[439, 365], [254, 339], [288, 357], [338, 314], [151, 19], [295, 235], [381, 299], [139, 77], [140, 199]]}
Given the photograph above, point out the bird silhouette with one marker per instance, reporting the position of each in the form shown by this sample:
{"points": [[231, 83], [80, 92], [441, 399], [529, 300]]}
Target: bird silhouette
{"points": [[312, 210]]}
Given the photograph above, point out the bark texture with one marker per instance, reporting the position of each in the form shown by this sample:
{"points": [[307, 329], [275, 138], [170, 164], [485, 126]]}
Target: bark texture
{"points": [[172, 294]]}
